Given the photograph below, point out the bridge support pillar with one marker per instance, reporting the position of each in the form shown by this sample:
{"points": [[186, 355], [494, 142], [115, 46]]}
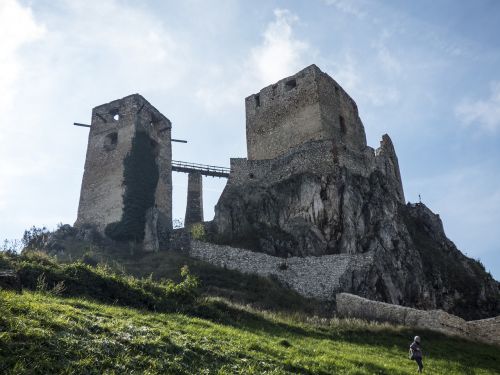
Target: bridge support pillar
{"points": [[194, 207]]}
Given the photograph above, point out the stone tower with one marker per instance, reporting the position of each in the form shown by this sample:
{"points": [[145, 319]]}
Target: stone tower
{"points": [[308, 106], [127, 182]]}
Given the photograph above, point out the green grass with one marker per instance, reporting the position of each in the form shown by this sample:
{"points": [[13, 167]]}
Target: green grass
{"points": [[45, 334], [106, 321], [37, 271]]}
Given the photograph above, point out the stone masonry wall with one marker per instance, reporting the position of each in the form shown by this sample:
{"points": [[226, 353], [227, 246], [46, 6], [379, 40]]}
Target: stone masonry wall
{"points": [[317, 277], [194, 204], [318, 157], [485, 330], [307, 106]]}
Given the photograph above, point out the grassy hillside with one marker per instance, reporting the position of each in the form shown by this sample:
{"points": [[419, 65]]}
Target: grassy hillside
{"points": [[77, 318], [45, 334]]}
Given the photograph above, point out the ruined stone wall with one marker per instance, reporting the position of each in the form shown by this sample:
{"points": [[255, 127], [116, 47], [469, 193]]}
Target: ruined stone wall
{"points": [[317, 157], [307, 106], [352, 306], [317, 277], [113, 127], [487, 330]]}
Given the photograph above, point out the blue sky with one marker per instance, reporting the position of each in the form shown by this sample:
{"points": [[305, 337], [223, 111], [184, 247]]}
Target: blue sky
{"points": [[427, 73]]}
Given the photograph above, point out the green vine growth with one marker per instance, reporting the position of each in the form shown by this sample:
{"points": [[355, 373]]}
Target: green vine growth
{"points": [[140, 178]]}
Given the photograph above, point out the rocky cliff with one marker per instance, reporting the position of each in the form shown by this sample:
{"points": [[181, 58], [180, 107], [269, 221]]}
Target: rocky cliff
{"points": [[339, 196]]}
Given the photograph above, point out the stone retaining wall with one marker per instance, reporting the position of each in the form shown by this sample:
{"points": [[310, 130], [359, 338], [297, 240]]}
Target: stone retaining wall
{"points": [[485, 330], [317, 277]]}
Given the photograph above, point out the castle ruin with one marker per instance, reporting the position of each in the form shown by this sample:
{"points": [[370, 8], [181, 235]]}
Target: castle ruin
{"points": [[311, 205], [303, 127]]}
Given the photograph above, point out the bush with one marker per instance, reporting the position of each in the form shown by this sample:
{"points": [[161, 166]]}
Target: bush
{"points": [[89, 259], [40, 272], [198, 231], [35, 238]]}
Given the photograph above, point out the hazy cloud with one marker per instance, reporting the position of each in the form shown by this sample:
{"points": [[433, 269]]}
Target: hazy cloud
{"points": [[348, 6], [356, 79], [51, 73], [482, 112], [17, 28], [279, 54]]}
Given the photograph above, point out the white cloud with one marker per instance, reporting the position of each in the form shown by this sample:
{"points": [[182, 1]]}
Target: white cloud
{"points": [[385, 57], [348, 6], [280, 54], [482, 112], [17, 29], [361, 85], [55, 64], [128, 47]]}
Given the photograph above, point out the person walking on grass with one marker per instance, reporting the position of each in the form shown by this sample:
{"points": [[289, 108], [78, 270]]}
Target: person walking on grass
{"points": [[416, 353]]}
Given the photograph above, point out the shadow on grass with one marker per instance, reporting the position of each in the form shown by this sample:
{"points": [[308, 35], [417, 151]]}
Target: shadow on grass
{"points": [[260, 292], [436, 345]]}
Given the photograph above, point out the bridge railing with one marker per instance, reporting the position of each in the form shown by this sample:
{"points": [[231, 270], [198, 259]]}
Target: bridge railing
{"points": [[206, 170]]}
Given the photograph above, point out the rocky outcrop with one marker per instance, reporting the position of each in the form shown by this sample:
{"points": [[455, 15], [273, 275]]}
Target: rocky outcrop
{"points": [[332, 194], [337, 211], [485, 330]]}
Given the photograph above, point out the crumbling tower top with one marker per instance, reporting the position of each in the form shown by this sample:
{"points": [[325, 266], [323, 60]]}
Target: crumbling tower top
{"points": [[307, 106]]}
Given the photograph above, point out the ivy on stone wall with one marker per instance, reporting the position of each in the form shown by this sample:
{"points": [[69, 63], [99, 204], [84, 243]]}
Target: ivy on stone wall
{"points": [[140, 179]]}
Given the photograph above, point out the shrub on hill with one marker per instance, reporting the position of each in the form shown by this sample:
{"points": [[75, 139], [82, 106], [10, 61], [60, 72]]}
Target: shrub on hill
{"points": [[38, 271]]}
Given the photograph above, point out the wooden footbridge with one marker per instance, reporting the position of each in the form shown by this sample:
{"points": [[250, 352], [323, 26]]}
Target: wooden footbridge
{"points": [[204, 170]]}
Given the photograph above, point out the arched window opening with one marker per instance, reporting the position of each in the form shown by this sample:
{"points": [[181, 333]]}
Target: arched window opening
{"points": [[110, 141]]}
